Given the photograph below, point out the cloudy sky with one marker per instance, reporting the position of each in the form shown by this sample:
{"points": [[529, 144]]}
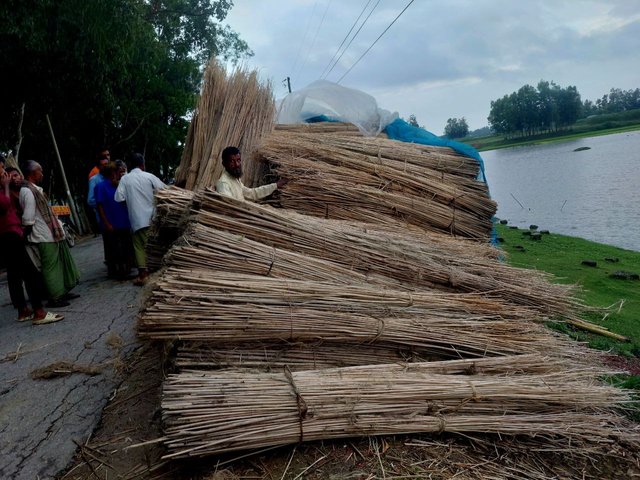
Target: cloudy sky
{"points": [[445, 58]]}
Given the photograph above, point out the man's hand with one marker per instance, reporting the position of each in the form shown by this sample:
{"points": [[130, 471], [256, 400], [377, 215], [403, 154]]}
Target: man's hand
{"points": [[107, 226], [282, 182]]}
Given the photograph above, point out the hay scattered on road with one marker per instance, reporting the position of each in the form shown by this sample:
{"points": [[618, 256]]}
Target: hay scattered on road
{"points": [[64, 369]]}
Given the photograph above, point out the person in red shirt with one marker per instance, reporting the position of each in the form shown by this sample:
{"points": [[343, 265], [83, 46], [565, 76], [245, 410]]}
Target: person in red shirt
{"points": [[19, 266]]}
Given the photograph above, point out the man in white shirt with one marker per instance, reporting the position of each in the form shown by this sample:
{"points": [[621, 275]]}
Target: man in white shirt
{"points": [[230, 184], [138, 188]]}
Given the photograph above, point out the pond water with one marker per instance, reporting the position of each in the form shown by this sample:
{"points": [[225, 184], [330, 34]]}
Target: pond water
{"points": [[593, 194]]}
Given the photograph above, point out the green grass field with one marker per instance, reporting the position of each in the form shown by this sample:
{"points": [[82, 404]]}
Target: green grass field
{"points": [[562, 256], [617, 301]]}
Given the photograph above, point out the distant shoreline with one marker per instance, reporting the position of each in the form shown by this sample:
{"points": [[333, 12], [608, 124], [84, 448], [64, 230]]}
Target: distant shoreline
{"points": [[496, 142]]}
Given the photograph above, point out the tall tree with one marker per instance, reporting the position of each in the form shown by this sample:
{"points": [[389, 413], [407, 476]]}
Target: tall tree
{"points": [[569, 106], [124, 73], [456, 128], [530, 110]]}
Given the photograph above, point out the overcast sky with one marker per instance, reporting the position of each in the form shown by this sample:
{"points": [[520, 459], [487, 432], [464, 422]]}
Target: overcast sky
{"points": [[445, 58]]}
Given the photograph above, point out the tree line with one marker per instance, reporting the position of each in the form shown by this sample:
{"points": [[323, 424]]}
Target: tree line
{"points": [[549, 107], [117, 73]]}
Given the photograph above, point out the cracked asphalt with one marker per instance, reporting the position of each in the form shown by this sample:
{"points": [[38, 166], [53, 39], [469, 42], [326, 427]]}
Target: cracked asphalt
{"points": [[40, 420]]}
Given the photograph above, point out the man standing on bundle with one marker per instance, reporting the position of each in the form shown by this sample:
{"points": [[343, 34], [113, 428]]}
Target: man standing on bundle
{"points": [[42, 228], [230, 184], [137, 188]]}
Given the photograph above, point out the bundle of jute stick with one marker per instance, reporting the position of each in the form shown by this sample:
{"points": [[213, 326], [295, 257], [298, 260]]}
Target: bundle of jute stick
{"points": [[333, 128], [234, 110], [172, 213], [346, 179], [402, 256], [213, 412], [217, 250], [299, 356], [226, 307], [385, 151]]}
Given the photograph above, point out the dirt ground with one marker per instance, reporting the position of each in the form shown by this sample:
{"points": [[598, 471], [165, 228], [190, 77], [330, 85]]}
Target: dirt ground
{"points": [[132, 416], [118, 449]]}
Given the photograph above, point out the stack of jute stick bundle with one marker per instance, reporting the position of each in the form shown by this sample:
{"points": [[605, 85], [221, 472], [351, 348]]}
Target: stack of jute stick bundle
{"points": [[374, 179], [291, 327], [233, 110], [404, 257], [366, 306]]}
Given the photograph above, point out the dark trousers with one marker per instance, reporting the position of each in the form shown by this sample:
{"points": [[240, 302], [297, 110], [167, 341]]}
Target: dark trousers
{"points": [[20, 269], [118, 252]]}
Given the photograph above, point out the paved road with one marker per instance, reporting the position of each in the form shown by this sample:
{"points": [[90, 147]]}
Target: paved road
{"points": [[41, 419]]}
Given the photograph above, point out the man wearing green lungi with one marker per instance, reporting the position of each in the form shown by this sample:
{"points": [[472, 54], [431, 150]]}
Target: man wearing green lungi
{"points": [[43, 230]]}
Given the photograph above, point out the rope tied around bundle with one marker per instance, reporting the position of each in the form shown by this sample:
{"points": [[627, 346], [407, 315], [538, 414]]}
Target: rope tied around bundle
{"points": [[300, 401]]}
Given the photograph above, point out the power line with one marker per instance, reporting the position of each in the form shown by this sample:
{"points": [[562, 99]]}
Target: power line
{"points": [[352, 39], [315, 37], [376, 41], [295, 62], [345, 38]]}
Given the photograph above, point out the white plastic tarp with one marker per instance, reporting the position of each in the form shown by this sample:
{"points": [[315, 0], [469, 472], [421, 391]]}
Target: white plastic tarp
{"points": [[336, 102]]}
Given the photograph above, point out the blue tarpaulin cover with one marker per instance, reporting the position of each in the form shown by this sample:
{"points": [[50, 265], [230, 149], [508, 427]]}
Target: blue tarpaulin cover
{"points": [[401, 130]]}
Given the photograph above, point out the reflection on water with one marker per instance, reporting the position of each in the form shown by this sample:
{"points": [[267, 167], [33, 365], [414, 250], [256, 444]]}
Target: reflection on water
{"points": [[593, 194]]}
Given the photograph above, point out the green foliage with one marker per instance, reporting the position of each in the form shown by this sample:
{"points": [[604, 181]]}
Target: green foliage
{"points": [[480, 132], [618, 100], [456, 128], [589, 127], [121, 73], [531, 110], [623, 117]]}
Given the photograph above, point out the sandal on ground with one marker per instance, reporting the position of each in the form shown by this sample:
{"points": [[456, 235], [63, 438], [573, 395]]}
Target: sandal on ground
{"points": [[50, 317]]}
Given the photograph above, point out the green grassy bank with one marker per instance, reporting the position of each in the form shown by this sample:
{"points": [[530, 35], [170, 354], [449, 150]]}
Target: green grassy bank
{"points": [[563, 256], [606, 124]]}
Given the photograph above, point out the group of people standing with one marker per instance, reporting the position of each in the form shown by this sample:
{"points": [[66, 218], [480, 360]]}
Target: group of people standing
{"points": [[32, 238], [123, 204], [32, 242]]}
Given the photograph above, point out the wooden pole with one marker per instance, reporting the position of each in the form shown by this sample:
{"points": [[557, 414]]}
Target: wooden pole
{"points": [[72, 203]]}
